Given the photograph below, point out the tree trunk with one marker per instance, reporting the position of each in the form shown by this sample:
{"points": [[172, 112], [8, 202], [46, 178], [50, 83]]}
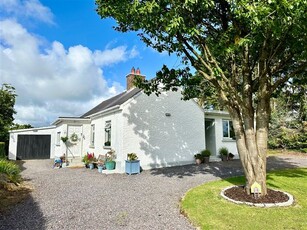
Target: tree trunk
{"points": [[251, 146]]}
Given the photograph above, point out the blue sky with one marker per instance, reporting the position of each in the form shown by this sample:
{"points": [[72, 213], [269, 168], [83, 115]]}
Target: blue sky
{"points": [[63, 59]]}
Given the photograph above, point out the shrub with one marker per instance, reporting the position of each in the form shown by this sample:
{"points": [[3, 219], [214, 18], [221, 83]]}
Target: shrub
{"points": [[198, 156], [288, 138], [2, 150], [205, 153], [223, 151], [11, 170]]}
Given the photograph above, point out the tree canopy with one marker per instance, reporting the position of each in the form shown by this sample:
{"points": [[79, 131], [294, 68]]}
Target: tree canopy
{"points": [[245, 49]]}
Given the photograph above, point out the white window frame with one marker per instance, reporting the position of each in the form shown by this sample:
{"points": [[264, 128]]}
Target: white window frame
{"points": [[230, 134], [92, 140], [58, 138], [108, 133]]}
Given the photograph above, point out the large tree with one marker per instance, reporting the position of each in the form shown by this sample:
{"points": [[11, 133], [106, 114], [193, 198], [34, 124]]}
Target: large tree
{"points": [[245, 49]]}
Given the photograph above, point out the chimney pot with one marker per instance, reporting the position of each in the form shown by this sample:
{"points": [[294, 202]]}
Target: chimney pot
{"points": [[130, 77]]}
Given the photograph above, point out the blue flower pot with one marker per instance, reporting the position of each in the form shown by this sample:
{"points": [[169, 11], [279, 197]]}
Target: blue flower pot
{"points": [[110, 165], [133, 167], [91, 165], [100, 168]]}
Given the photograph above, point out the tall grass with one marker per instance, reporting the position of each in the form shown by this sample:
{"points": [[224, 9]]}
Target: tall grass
{"points": [[10, 170]]}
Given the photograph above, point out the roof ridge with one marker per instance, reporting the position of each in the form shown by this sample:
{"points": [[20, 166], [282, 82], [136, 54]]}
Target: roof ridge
{"points": [[115, 100]]}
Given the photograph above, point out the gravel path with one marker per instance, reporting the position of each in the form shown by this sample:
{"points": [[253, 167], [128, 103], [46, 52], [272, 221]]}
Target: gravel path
{"points": [[84, 199]]}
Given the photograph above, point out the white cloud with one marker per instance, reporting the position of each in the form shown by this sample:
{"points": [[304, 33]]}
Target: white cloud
{"points": [[53, 81], [114, 55], [32, 9]]}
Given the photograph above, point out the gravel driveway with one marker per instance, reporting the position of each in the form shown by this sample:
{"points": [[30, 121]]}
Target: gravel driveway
{"points": [[84, 199]]}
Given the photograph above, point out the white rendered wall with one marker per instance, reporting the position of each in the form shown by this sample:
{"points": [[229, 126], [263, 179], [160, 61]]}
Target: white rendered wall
{"points": [[34, 131], [60, 148], [161, 140], [116, 137], [230, 144], [84, 138]]}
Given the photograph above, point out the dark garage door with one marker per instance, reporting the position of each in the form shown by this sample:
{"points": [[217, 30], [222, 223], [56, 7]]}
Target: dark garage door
{"points": [[33, 147]]}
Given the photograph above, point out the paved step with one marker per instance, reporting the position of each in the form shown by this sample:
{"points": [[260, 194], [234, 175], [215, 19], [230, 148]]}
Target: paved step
{"points": [[75, 162], [215, 159]]}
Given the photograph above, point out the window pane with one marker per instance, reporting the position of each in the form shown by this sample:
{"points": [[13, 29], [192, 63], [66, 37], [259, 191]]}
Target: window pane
{"points": [[58, 138], [107, 133], [225, 128], [92, 135]]}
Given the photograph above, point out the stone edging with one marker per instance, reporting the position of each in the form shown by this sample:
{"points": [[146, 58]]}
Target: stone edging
{"points": [[260, 205]]}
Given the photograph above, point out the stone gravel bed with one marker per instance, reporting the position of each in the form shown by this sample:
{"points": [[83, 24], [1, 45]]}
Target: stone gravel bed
{"points": [[84, 199]]}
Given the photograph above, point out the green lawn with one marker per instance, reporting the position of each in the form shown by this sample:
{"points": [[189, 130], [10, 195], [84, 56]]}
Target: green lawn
{"points": [[206, 209]]}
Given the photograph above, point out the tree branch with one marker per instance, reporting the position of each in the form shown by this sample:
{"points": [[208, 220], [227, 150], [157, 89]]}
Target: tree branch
{"points": [[283, 80]]}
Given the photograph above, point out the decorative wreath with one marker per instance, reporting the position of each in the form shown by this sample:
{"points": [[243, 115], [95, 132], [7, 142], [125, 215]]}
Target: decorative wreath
{"points": [[74, 137]]}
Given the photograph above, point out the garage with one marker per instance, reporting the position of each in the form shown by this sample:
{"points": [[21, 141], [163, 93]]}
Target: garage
{"points": [[33, 147]]}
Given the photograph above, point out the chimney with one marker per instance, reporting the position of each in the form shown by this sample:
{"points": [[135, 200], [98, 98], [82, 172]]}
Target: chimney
{"points": [[130, 77]]}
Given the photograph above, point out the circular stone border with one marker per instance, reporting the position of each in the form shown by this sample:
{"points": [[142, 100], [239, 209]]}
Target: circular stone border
{"points": [[260, 205]]}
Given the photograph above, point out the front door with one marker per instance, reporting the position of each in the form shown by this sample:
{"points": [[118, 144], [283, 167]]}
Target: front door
{"points": [[210, 136], [74, 143]]}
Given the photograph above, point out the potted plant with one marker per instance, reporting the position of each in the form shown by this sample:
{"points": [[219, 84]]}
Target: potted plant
{"points": [[132, 164], [224, 153], [107, 143], [198, 158], [100, 163], [64, 161], [110, 163], [91, 159], [206, 155], [85, 160]]}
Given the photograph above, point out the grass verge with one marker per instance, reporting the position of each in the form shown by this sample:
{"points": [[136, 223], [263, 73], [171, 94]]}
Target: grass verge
{"points": [[205, 208]]}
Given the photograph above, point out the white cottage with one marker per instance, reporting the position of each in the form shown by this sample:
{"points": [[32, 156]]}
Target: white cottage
{"points": [[163, 131]]}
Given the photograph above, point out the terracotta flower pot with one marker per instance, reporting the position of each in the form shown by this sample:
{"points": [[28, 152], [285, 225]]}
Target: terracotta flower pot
{"points": [[198, 161]]}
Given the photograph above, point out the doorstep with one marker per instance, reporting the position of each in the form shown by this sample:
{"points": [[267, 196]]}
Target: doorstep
{"points": [[114, 171], [215, 159]]}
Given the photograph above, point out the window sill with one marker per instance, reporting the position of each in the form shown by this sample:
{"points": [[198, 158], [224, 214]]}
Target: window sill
{"points": [[107, 147], [228, 140]]}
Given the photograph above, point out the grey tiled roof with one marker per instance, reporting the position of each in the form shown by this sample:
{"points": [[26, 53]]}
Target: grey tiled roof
{"points": [[116, 100]]}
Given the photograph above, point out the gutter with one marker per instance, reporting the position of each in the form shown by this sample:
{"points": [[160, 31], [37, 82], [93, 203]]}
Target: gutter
{"points": [[31, 129], [216, 112], [69, 119]]}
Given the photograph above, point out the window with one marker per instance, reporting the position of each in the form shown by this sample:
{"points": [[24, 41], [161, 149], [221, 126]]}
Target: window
{"points": [[107, 133], [92, 141], [58, 138], [228, 131]]}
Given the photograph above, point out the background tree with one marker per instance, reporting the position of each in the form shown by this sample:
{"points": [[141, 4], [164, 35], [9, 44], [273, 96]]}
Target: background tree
{"points": [[288, 123], [7, 102], [20, 126], [245, 49]]}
